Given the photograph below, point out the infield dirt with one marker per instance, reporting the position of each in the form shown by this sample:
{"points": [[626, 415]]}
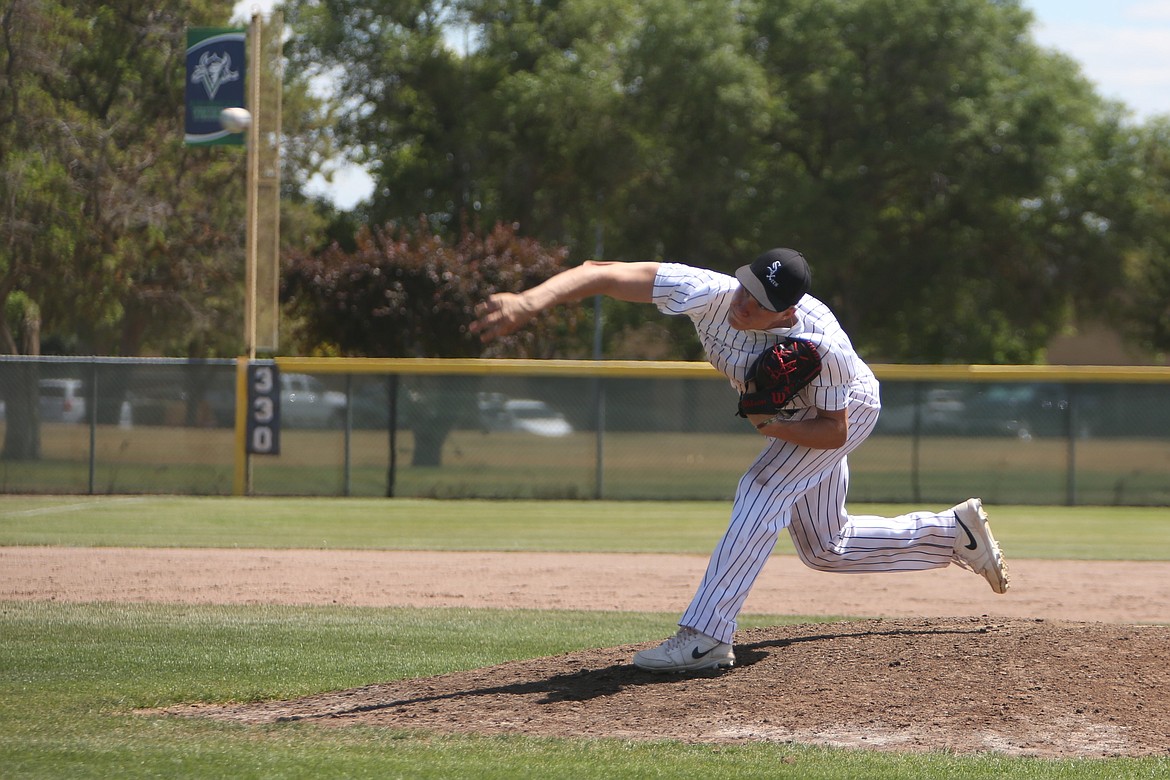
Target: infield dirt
{"points": [[1061, 666]]}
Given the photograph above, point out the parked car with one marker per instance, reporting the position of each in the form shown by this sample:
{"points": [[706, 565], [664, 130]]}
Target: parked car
{"points": [[1022, 410], [536, 417], [500, 413], [305, 402], [61, 400], [1040, 409]]}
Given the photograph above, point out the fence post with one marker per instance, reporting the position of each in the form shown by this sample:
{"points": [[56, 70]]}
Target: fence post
{"points": [[599, 425], [392, 414], [91, 414], [348, 481], [1070, 417], [598, 391], [916, 445]]}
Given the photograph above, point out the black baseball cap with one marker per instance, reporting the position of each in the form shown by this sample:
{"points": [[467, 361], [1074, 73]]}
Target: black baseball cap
{"points": [[778, 279]]}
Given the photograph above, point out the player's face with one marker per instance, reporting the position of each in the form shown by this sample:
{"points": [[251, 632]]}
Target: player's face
{"points": [[746, 313]]}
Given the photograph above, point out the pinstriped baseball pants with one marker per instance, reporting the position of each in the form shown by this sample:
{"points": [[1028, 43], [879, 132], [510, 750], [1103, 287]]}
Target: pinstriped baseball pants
{"points": [[804, 490]]}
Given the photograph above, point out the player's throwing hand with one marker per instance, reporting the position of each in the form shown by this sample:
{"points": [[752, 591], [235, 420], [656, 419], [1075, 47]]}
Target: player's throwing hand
{"points": [[501, 314]]}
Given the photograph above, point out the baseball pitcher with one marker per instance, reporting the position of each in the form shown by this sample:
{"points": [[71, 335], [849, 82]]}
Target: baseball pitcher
{"points": [[804, 388]]}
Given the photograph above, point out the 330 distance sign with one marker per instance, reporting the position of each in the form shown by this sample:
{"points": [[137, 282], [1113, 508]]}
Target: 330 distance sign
{"points": [[263, 429]]}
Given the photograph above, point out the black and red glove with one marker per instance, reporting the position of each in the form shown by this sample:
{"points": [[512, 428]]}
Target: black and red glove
{"points": [[777, 375]]}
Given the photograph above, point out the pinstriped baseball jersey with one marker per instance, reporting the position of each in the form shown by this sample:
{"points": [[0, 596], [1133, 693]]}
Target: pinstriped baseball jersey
{"points": [[791, 486], [705, 297]]}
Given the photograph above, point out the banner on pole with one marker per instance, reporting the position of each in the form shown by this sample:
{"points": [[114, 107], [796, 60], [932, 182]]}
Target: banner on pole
{"points": [[216, 76]]}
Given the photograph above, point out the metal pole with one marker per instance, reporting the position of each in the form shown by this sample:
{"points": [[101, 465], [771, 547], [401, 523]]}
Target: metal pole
{"points": [[916, 446], [348, 434], [91, 414], [392, 401], [1070, 413], [598, 387]]}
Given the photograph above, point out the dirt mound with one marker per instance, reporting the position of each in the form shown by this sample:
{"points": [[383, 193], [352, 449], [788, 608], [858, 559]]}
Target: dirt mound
{"points": [[1014, 686]]}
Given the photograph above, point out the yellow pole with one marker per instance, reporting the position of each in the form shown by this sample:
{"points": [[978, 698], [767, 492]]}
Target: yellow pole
{"points": [[242, 479]]}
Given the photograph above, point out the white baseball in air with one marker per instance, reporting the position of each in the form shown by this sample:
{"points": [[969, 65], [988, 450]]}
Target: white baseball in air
{"points": [[235, 119]]}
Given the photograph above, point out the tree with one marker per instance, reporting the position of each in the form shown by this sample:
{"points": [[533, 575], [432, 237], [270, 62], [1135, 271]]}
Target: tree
{"points": [[128, 239], [916, 141], [37, 200], [22, 433], [949, 178], [557, 147], [91, 154], [697, 101], [411, 294], [1142, 308], [120, 237], [406, 96]]}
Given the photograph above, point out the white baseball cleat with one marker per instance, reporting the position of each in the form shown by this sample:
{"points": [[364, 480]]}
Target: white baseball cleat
{"points": [[686, 651], [975, 547]]}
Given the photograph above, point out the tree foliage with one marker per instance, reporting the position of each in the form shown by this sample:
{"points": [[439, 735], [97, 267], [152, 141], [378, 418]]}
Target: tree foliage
{"points": [[118, 238], [93, 156], [410, 293], [127, 239], [962, 193], [1144, 304]]}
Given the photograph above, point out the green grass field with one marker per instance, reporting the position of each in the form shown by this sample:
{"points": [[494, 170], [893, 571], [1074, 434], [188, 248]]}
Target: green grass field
{"points": [[73, 675], [1085, 533], [665, 466]]}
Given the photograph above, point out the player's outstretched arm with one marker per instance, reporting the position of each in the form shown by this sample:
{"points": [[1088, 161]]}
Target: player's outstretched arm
{"points": [[505, 313]]}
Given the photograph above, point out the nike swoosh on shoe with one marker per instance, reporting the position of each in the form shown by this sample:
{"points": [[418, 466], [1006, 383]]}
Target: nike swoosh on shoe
{"points": [[972, 544]]}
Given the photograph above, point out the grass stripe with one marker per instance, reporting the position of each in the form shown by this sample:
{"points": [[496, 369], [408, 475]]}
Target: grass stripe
{"points": [[686, 527]]}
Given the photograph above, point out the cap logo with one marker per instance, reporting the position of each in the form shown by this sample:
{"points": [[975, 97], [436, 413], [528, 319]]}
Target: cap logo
{"points": [[774, 269]]}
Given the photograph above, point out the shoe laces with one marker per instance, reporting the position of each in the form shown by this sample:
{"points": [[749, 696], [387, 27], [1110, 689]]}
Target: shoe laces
{"points": [[683, 636]]}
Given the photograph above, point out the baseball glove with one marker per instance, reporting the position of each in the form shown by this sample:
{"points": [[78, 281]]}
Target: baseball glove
{"points": [[777, 375]]}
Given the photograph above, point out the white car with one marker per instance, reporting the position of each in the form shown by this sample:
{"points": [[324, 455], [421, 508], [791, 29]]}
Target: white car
{"points": [[536, 417], [61, 400], [305, 402]]}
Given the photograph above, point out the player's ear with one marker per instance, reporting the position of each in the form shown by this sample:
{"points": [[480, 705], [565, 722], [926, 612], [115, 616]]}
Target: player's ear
{"points": [[786, 316]]}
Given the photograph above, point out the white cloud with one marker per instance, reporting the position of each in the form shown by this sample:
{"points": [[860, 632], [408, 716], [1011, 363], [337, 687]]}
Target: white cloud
{"points": [[1158, 11]]}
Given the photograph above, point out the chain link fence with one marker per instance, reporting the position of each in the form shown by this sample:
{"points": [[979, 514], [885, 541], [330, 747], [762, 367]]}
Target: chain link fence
{"points": [[567, 430]]}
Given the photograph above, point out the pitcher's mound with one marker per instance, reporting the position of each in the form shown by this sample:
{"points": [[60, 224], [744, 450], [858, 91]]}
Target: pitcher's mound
{"points": [[1024, 687]]}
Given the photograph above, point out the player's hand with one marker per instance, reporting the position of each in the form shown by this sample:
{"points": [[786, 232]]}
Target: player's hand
{"points": [[501, 314]]}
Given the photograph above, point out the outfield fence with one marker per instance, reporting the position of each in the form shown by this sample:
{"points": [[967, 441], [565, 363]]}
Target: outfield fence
{"points": [[566, 430]]}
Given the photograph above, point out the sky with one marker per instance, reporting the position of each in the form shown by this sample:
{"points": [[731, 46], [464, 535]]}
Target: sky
{"points": [[1122, 47]]}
